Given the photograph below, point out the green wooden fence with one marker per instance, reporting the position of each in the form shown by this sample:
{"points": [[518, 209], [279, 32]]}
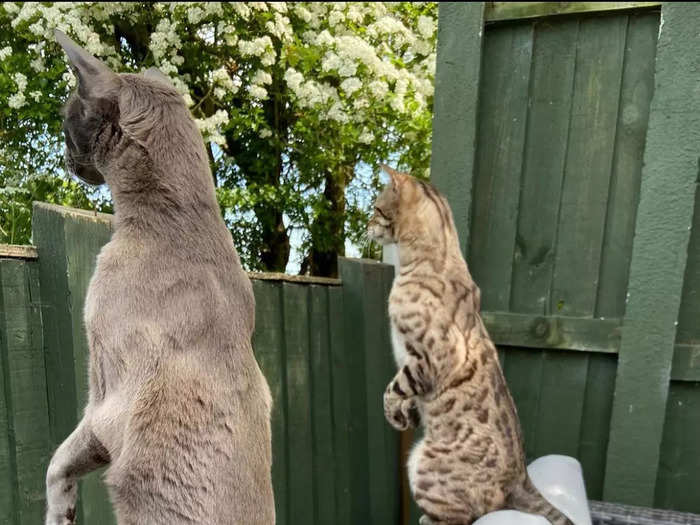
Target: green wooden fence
{"points": [[323, 345], [572, 166]]}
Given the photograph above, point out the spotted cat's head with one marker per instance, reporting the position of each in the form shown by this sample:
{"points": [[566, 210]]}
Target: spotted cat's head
{"points": [[408, 209]]}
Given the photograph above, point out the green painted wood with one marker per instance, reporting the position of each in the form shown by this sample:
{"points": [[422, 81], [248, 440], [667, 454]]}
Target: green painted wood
{"points": [[678, 479], [503, 103], [57, 312], [383, 440], [324, 468], [570, 333], [458, 68], [589, 154], [523, 372], [662, 228], [84, 237], [595, 421], [631, 128], [499, 11], [686, 363], [300, 487], [341, 397], [68, 242], [25, 384], [551, 86], [560, 405], [688, 326], [9, 496], [352, 275], [268, 344]]}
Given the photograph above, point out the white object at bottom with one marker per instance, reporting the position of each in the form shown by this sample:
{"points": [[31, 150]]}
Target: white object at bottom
{"points": [[560, 480]]}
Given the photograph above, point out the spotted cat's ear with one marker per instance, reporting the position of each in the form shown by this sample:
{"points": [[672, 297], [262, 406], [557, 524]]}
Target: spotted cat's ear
{"points": [[397, 178], [89, 70]]}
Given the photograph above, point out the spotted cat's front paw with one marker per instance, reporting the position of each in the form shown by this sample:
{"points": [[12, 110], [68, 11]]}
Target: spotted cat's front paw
{"points": [[399, 412], [60, 518]]}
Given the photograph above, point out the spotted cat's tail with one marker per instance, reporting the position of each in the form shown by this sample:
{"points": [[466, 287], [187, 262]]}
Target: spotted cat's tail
{"points": [[526, 498]]}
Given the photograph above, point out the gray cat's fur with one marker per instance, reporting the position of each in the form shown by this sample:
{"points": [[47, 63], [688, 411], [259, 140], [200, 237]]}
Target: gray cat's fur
{"points": [[178, 407]]}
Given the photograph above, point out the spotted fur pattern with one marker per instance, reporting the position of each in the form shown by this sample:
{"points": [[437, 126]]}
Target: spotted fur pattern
{"points": [[470, 460]]}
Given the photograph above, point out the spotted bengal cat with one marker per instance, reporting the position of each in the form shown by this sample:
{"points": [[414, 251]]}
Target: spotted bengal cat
{"points": [[470, 460]]}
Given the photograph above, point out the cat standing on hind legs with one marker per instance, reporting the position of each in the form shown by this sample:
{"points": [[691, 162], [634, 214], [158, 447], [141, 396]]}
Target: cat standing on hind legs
{"points": [[178, 408], [471, 460]]}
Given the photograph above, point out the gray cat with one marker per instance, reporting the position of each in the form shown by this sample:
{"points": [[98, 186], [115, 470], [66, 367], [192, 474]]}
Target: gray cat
{"points": [[178, 407]]}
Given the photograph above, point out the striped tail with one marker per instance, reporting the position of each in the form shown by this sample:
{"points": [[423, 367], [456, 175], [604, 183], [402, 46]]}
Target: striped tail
{"points": [[526, 498]]}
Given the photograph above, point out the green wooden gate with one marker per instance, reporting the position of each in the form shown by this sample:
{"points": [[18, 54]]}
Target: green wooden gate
{"points": [[571, 168]]}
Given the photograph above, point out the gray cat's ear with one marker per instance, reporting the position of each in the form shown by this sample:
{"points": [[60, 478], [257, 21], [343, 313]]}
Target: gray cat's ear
{"points": [[86, 67], [157, 74]]}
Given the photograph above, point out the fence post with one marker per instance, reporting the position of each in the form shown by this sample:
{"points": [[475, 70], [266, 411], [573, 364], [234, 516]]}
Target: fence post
{"points": [[457, 75], [374, 445], [68, 241], [659, 254]]}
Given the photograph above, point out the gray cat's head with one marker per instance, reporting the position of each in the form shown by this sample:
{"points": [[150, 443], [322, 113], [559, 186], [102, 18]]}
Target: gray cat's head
{"points": [[106, 109]]}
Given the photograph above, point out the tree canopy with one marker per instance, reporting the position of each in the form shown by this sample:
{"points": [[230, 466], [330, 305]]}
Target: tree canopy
{"points": [[292, 99]]}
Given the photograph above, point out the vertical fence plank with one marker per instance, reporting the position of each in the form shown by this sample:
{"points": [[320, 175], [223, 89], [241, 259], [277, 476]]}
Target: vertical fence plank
{"points": [[658, 261], [598, 72], [295, 301], [9, 497], [631, 128], [503, 103], [321, 407], [560, 407], [342, 415], [353, 292], [460, 31], [24, 361], [269, 352], [523, 372], [679, 464], [595, 421], [68, 242], [551, 85]]}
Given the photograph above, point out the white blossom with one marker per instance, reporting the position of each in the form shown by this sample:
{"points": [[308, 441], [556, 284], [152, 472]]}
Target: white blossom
{"points": [[366, 137], [36, 95], [350, 85], [261, 77], [426, 26], [265, 133], [257, 92], [16, 101], [5, 52]]}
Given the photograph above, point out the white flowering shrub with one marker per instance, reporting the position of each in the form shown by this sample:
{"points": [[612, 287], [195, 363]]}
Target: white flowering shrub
{"points": [[290, 96]]}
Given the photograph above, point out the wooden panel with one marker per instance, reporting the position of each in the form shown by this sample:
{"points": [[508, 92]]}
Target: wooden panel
{"points": [[631, 128], [560, 403], [523, 372], [551, 84], [321, 407], [595, 421], [300, 482], [688, 326], [589, 154], [503, 103], [497, 11], [25, 385], [268, 344], [570, 333], [678, 482], [342, 415], [686, 363], [460, 31], [662, 228], [353, 292]]}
